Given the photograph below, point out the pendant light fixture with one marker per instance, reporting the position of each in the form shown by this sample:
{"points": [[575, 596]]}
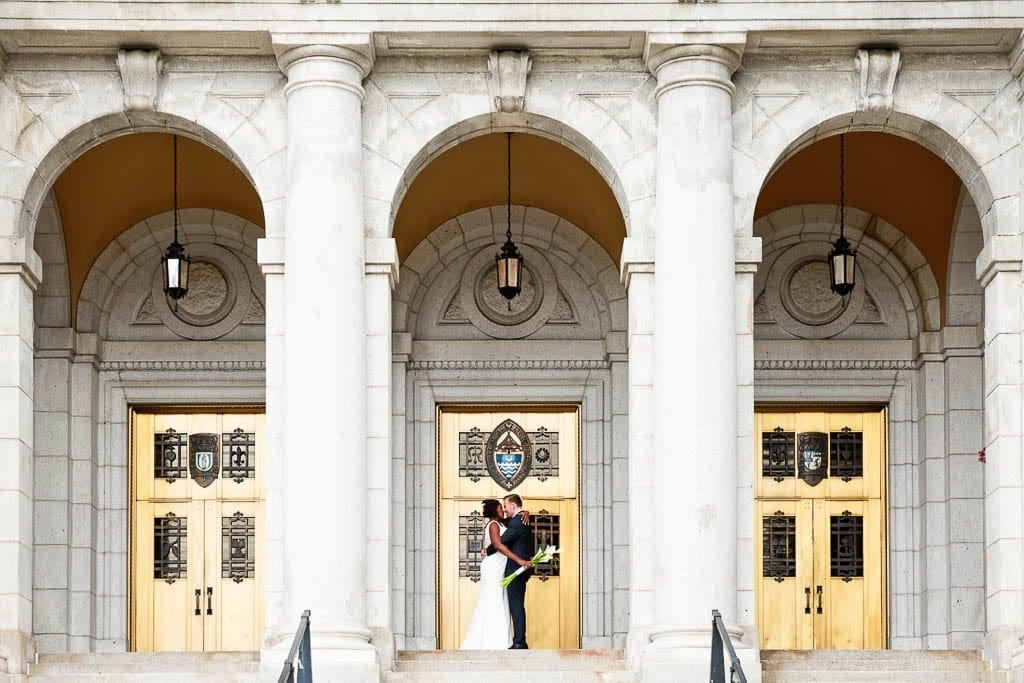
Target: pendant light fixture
{"points": [[175, 261], [509, 260], [842, 260]]}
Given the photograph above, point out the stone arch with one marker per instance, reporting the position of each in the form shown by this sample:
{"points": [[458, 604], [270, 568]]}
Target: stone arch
{"points": [[965, 300], [623, 154], [53, 296], [896, 277], [132, 260], [49, 143], [574, 275], [979, 161]]}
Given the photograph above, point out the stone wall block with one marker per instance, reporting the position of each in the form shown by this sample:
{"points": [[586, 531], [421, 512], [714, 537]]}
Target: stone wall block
{"points": [[188, 95]]}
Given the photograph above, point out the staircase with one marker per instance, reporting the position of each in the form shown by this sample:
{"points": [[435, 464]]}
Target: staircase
{"points": [[888, 666], [150, 667], [550, 666]]}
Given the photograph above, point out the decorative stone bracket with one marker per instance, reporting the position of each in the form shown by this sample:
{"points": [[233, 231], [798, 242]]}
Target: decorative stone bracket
{"points": [[506, 80], [878, 69], [140, 77]]}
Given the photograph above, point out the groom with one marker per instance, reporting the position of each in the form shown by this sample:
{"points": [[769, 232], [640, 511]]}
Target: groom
{"points": [[518, 538]]}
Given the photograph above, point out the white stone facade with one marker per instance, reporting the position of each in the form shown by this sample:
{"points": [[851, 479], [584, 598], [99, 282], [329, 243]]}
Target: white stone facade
{"points": [[706, 312]]}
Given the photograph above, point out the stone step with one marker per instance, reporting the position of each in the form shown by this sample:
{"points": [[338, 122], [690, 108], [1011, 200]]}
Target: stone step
{"points": [[472, 666], [883, 666], [496, 674], [505, 660], [154, 667]]}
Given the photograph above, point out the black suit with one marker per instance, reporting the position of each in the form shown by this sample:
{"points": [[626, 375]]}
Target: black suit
{"points": [[518, 538]]}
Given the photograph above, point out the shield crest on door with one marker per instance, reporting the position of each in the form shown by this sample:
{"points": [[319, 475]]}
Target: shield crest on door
{"points": [[204, 458], [509, 454]]}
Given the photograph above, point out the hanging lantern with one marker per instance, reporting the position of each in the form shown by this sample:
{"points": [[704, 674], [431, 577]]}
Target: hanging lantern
{"points": [[842, 260], [509, 261], [175, 261]]}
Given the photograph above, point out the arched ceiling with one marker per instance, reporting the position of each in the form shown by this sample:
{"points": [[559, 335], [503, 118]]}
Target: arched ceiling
{"points": [[893, 178], [123, 181], [545, 174]]}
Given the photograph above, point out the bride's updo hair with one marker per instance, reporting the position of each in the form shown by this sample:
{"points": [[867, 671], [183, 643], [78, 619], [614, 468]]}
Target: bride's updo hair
{"points": [[491, 508]]}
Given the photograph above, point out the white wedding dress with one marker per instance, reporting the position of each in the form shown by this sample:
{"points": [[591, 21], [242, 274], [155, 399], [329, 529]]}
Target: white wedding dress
{"points": [[490, 627]]}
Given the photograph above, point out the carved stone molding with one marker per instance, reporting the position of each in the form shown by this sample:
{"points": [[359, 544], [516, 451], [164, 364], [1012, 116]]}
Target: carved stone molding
{"points": [[140, 77], [506, 80], [835, 365], [508, 365], [183, 365], [878, 69]]}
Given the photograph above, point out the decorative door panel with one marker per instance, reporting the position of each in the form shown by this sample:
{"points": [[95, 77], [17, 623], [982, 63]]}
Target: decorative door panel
{"points": [[820, 537], [489, 453], [197, 456], [820, 455], [784, 580], [196, 532]]}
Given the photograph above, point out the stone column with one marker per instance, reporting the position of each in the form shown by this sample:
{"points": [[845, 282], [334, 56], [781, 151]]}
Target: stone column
{"points": [[325, 476], [999, 271], [19, 276], [638, 277], [695, 381], [381, 278]]}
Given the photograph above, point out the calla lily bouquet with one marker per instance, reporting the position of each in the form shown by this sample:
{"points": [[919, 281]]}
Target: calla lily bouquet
{"points": [[542, 556]]}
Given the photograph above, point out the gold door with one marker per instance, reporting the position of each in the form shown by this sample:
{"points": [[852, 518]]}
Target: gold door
{"points": [[196, 531], [820, 537], [537, 453]]}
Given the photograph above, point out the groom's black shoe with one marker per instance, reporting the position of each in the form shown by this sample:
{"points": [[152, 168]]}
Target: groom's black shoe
{"points": [[519, 647]]}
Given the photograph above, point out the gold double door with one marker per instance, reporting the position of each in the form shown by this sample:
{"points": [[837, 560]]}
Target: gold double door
{"points": [[820, 540], [197, 528], [489, 452]]}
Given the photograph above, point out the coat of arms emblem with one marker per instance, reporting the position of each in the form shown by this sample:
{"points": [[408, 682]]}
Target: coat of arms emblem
{"points": [[203, 458], [508, 454], [811, 462]]}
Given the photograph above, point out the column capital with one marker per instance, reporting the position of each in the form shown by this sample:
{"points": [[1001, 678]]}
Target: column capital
{"points": [[678, 59], [338, 60], [637, 257], [382, 258], [1000, 254], [17, 257], [270, 255]]}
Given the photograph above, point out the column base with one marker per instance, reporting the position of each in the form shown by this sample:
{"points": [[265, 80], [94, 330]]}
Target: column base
{"points": [[684, 654], [339, 652], [17, 650], [1004, 650], [1015, 673]]}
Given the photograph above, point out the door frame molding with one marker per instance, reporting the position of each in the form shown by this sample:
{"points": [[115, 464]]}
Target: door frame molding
{"points": [[416, 600], [889, 397], [118, 392], [561, 408], [132, 502]]}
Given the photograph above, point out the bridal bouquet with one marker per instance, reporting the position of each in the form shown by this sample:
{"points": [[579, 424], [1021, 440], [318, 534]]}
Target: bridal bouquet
{"points": [[543, 555]]}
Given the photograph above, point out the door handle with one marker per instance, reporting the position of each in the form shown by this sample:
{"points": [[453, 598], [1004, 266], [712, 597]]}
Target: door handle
{"points": [[199, 593], [818, 591], [209, 600], [807, 599]]}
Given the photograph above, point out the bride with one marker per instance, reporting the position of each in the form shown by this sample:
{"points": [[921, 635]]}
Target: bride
{"points": [[489, 627]]}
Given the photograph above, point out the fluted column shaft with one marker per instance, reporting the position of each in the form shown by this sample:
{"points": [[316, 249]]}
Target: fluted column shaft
{"points": [[325, 346], [694, 465]]}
